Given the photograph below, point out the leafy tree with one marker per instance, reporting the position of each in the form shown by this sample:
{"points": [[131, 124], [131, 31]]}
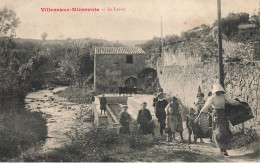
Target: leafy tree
{"points": [[231, 22], [8, 22], [152, 50], [171, 39], [255, 19]]}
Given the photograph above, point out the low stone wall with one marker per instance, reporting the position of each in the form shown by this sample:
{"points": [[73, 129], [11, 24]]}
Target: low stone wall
{"points": [[241, 81], [108, 119]]}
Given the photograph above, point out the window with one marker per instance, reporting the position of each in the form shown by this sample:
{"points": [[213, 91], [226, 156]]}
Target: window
{"points": [[129, 59]]}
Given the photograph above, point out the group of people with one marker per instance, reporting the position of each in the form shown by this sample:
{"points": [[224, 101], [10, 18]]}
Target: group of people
{"points": [[144, 118], [210, 118], [207, 119], [168, 115]]}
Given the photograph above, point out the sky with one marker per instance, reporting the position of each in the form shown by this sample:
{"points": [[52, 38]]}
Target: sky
{"points": [[140, 20]]}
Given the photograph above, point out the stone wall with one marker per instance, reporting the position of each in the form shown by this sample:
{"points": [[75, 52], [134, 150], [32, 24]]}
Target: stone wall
{"points": [[111, 71], [241, 78]]}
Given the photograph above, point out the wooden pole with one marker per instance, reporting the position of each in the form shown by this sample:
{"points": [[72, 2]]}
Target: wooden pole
{"points": [[161, 38], [220, 58]]}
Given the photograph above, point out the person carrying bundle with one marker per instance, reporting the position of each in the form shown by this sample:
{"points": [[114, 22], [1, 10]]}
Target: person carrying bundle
{"points": [[221, 132]]}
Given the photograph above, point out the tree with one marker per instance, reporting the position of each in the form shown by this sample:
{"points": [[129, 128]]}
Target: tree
{"points": [[255, 19], [231, 22], [8, 22], [44, 35], [171, 39]]}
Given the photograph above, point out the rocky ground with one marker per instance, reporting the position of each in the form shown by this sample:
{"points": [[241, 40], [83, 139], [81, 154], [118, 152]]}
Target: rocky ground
{"points": [[175, 151]]}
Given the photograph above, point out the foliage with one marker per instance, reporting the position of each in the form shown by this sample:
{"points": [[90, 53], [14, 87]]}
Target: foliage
{"points": [[8, 22], [98, 144], [7, 53], [78, 61], [245, 139], [44, 35], [152, 50], [201, 31], [147, 72], [230, 24], [171, 39], [187, 35], [19, 130], [255, 19], [75, 94]]}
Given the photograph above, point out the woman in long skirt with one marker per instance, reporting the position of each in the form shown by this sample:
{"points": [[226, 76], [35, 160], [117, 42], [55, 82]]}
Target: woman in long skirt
{"points": [[173, 119], [221, 132]]}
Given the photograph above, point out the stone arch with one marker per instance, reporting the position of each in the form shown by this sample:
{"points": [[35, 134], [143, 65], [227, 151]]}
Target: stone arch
{"points": [[131, 82]]}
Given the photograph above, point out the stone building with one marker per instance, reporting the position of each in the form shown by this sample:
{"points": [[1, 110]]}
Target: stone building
{"points": [[116, 67]]}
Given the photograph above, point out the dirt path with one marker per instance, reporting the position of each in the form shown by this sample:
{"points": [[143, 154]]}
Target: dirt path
{"points": [[200, 152]]}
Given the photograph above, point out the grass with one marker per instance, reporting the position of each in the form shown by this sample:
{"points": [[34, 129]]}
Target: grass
{"points": [[98, 145], [20, 129], [77, 95], [246, 139]]}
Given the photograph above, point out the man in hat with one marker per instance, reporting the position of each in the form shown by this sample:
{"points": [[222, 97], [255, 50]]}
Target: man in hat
{"points": [[221, 132], [160, 113], [124, 120]]}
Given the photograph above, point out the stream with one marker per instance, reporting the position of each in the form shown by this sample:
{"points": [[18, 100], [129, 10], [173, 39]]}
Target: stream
{"points": [[61, 116]]}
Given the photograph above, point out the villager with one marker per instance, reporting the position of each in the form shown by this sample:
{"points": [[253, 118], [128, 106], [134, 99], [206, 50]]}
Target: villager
{"points": [[210, 119], [160, 89], [103, 103], [191, 126], [144, 118], [92, 98], [203, 121], [173, 121], [124, 120], [155, 99], [160, 113], [221, 132]]}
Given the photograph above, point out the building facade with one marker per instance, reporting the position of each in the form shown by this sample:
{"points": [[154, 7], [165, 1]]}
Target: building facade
{"points": [[116, 67]]}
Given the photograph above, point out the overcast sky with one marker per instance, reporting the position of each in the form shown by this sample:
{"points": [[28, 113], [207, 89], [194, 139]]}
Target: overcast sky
{"points": [[139, 21]]}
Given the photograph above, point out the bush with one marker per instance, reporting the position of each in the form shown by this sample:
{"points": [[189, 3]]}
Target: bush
{"points": [[98, 145], [136, 141], [78, 95], [245, 139], [88, 146], [20, 130]]}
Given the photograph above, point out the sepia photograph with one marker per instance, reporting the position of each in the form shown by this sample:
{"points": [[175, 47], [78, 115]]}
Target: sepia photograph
{"points": [[130, 81]]}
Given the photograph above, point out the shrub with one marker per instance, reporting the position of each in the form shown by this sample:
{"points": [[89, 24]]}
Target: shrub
{"points": [[20, 130], [78, 95], [245, 139], [98, 145]]}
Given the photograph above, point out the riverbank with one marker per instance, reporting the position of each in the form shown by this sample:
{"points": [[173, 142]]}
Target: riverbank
{"points": [[20, 129], [77, 95], [62, 117]]}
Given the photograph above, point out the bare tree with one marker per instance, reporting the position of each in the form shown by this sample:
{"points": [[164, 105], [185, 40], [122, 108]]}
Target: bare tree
{"points": [[44, 35]]}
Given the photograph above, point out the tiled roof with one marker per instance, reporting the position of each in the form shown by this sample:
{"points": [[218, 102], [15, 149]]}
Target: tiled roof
{"points": [[119, 50]]}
